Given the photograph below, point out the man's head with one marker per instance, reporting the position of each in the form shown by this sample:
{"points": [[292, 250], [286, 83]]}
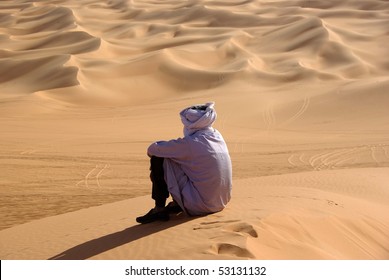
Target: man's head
{"points": [[198, 117]]}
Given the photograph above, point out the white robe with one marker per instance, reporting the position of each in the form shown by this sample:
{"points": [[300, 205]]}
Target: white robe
{"points": [[197, 169]]}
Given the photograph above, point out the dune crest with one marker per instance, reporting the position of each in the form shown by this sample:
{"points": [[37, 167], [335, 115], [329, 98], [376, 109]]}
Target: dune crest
{"points": [[269, 218]]}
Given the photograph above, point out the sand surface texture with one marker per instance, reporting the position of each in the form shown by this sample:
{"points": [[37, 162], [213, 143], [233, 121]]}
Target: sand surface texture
{"points": [[302, 95]]}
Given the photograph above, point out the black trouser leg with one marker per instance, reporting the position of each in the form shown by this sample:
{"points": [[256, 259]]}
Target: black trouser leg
{"points": [[160, 190]]}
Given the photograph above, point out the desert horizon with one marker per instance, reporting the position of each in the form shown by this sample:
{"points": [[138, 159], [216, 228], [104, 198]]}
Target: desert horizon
{"points": [[301, 92]]}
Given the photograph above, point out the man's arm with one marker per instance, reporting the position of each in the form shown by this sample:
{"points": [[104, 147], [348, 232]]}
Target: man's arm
{"points": [[175, 149]]}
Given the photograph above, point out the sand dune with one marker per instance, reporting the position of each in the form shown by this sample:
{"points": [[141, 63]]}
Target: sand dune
{"points": [[275, 217], [254, 41], [301, 89]]}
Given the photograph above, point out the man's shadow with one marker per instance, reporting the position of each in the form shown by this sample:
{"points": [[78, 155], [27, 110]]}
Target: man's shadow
{"points": [[105, 243]]}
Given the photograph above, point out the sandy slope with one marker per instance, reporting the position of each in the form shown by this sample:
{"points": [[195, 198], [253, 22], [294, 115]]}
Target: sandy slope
{"points": [[298, 216], [300, 87]]}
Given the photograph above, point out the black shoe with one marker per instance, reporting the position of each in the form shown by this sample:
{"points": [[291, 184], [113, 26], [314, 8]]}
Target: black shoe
{"points": [[154, 215], [173, 208]]}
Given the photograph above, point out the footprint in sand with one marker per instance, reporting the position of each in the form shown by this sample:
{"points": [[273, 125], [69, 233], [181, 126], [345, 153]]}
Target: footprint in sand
{"points": [[231, 250], [244, 229], [235, 246], [212, 224]]}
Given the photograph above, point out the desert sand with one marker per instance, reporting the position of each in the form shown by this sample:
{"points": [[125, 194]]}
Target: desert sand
{"points": [[302, 95]]}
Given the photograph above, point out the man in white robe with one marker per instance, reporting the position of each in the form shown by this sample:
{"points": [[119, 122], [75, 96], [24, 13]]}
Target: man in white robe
{"points": [[195, 170]]}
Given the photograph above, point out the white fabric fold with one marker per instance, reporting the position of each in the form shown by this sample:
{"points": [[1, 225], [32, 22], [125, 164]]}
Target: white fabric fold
{"points": [[198, 117]]}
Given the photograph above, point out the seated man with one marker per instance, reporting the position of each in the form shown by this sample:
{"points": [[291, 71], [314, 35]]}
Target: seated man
{"points": [[195, 170]]}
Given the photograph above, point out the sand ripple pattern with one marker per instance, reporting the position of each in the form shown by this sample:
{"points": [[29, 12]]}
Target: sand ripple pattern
{"points": [[373, 155], [187, 45]]}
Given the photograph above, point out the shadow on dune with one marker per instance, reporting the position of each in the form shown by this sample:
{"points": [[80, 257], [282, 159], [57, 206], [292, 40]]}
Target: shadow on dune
{"points": [[105, 243]]}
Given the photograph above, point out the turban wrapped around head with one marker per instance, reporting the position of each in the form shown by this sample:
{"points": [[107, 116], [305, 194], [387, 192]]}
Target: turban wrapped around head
{"points": [[198, 117]]}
